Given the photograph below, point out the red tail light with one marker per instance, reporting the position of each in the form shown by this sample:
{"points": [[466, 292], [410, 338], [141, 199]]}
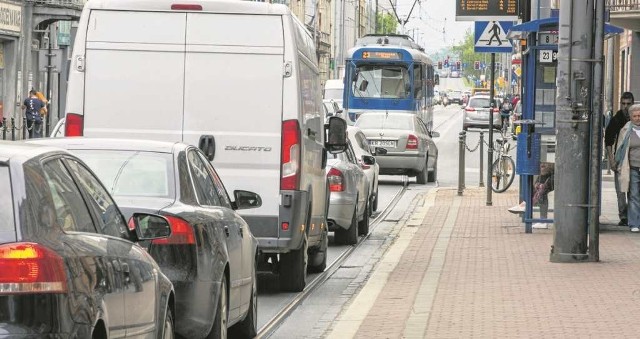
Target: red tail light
{"points": [[470, 109], [74, 125], [336, 180], [412, 142], [31, 268], [186, 7], [495, 110], [181, 233], [290, 157]]}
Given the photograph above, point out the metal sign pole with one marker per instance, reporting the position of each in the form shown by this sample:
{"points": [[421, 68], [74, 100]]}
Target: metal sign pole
{"points": [[490, 153]]}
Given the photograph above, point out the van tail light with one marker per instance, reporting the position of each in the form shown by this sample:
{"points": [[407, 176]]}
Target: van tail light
{"points": [[470, 109], [290, 155], [31, 268], [336, 180], [412, 142], [186, 7], [181, 233], [74, 125]]}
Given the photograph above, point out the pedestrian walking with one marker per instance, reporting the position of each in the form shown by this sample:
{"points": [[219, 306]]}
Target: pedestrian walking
{"points": [[627, 161], [611, 136], [32, 106]]}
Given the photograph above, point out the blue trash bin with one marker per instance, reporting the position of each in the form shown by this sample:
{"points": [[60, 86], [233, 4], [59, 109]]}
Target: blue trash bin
{"points": [[528, 154]]}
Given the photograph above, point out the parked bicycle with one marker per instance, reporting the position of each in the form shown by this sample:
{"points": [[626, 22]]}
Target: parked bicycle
{"points": [[503, 167]]}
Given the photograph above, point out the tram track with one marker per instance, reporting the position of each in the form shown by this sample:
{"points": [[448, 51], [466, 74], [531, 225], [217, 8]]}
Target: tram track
{"points": [[272, 325]]}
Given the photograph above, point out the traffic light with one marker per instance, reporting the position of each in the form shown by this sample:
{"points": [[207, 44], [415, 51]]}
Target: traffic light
{"points": [[458, 64], [446, 63], [439, 64], [476, 65]]}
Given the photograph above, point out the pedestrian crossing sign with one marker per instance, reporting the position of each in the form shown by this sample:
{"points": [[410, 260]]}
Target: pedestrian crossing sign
{"points": [[491, 37]]}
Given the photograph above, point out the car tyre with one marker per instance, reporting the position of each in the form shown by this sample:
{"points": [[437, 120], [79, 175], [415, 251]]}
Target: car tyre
{"points": [[319, 256], [219, 329], [350, 235], [374, 203], [167, 330], [421, 178], [363, 225], [293, 269], [433, 175], [248, 327]]}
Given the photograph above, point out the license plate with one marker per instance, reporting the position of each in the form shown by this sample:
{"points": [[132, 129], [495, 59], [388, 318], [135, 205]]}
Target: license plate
{"points": [[382, 143]]}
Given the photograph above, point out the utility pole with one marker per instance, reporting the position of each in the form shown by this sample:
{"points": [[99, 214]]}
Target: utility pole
{"points": [[490, 148], [49, 92], [573, 113]]}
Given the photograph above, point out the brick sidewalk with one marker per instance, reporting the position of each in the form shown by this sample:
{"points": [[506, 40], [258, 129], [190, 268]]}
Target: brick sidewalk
{"points": [[469, 270]]}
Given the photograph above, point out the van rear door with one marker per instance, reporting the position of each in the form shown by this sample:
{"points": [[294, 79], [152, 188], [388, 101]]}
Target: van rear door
{"points": [[134, 74], [233, 91]]}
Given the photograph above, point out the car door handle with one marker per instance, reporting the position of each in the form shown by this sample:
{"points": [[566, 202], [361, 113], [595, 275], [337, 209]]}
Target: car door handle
{"points": [[226, 230]]}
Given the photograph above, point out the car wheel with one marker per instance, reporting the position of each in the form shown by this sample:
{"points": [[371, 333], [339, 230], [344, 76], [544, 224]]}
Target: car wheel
{"points": [[219, 329], [293, 269], [374, 203], [318, 260], [248, 327], [363, 225], [167, 331], [350, 235], [433, 175], [421, 178]]}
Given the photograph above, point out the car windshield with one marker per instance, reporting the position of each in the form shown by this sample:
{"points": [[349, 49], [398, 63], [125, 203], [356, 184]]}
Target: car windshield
{"points": [[132, 173], [383, 121], [7, 222], [479, 102], [382, 81]]}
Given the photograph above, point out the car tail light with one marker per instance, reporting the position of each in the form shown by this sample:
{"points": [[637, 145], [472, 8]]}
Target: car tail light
{"points": [[290, 156], [181, 233], [496, 110], [336, 180], [186, 7], [470, 109], [74, 125], [31, 268], [412, 142]]}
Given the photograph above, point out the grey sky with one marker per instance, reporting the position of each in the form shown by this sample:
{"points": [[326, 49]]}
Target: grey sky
{"points": [[428, 20]]}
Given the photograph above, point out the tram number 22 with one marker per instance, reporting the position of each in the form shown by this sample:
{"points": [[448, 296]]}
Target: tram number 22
{"points": [[548, 56]]}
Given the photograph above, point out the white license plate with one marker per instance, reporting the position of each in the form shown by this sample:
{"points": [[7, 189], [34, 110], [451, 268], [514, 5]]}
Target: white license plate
{"points": [[382, 143]]}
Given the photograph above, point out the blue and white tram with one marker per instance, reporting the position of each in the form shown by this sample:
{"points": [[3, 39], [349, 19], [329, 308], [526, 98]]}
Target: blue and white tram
{"points": [[389, 73]]}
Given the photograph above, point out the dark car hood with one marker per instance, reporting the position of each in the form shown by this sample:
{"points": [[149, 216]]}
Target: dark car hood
{"points": [[130, 205]]}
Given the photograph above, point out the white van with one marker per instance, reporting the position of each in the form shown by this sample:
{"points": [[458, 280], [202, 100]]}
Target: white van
{"points": [[237, 78], [334, 90]]}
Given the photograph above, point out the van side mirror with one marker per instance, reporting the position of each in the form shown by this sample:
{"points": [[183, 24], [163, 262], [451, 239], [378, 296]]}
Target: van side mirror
{"points": [[150, 226], [246, 200], [207, 145], [335, 135]]}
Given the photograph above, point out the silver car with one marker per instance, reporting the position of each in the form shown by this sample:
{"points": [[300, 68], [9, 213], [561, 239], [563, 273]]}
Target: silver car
{"points": [[476, 113], [349, 207], [362, 148], [408, 144]]}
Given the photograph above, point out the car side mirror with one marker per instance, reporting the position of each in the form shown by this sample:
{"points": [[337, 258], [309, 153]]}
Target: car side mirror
{"points": [[246, 200], [368, 160], [150, 226], [335, 135], [339, 111], [379, 151]]}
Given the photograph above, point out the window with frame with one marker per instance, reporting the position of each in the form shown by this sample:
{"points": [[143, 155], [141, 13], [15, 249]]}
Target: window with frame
{"points": [[69, 211], [203, 184], [110, 220], [217, 182]]}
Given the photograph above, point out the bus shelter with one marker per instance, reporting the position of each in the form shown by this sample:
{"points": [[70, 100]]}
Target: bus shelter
{"points": [[539, 66]]}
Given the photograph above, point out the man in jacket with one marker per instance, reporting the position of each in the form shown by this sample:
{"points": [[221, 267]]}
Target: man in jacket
{"points": [[610, 138], [32, 106]]}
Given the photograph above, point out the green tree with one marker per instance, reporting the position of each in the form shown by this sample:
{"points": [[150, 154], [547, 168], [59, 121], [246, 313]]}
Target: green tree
{"points": [[386, 23]]}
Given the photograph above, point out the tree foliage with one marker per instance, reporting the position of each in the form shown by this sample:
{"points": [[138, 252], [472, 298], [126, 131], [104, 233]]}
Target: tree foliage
{"points": [[386, 23], [464, 52]]}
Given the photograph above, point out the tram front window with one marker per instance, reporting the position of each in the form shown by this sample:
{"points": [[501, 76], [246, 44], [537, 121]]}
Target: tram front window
{"points": [[382, 81]]}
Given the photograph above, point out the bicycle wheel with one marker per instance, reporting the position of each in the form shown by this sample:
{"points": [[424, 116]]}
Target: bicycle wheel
{"points": [[502, 174]]}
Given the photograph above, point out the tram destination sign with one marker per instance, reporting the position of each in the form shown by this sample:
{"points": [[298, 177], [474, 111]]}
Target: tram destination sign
{"points": [[381, 55], [487, 10]]}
